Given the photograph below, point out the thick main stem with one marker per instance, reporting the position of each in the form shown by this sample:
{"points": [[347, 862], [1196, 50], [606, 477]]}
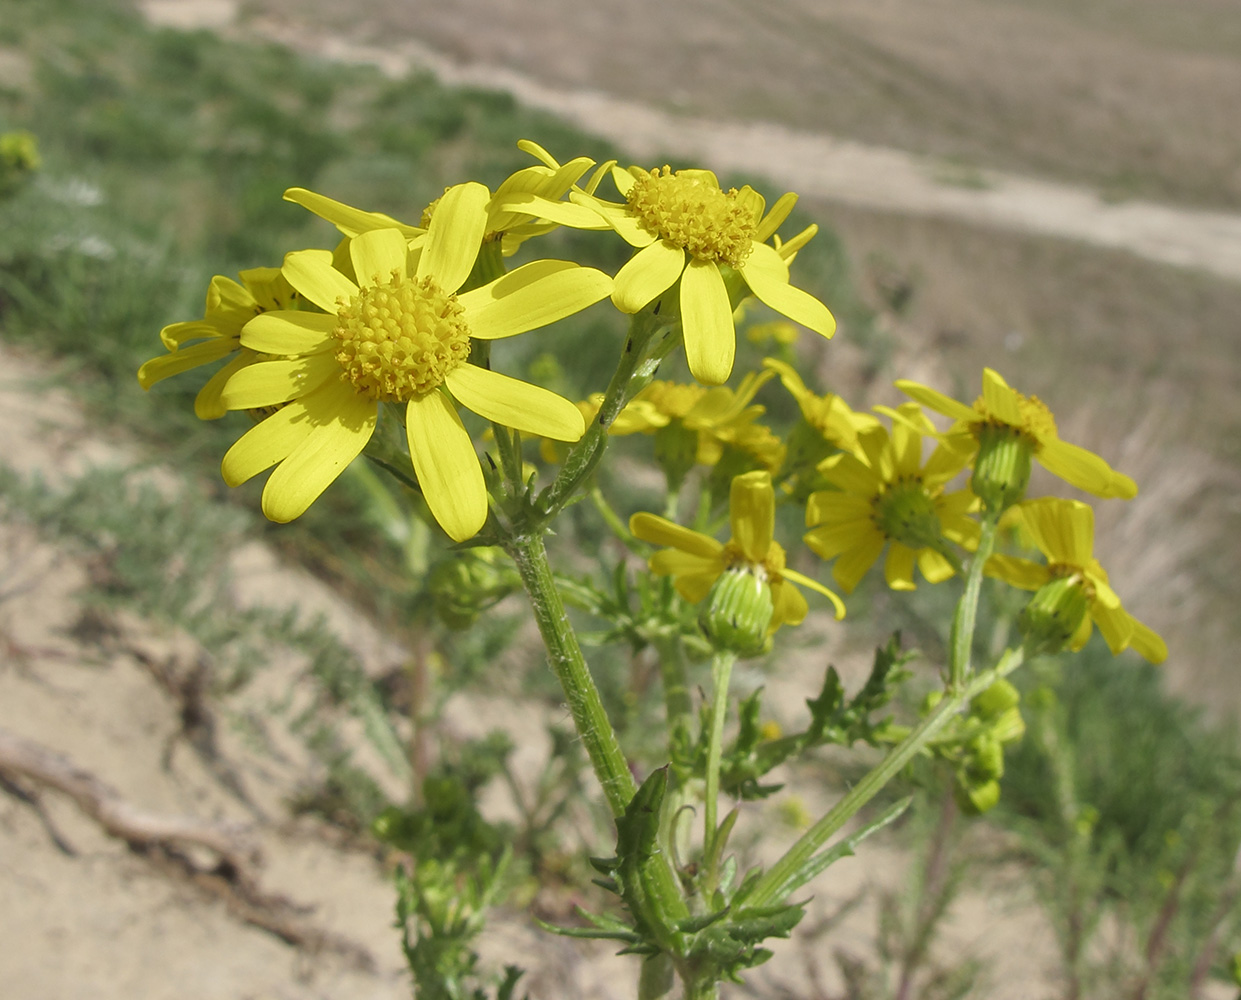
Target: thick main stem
{"points": [[565, 655]]}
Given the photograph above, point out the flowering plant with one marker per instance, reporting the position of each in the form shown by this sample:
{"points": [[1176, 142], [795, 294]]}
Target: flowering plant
{"points": [[381, 347]]}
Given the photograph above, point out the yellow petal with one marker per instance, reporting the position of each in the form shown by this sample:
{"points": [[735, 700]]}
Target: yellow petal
{"points": [[1116, 625], [270, 382], [177, 335], [207, 404], [789, 607], [852, 565], [1084, 469], [849, 473], [532, 296], [775, 218], [514, 403], [1000, 401], [936, 401], [376, 253], [1017, 572], [446, 465], [752, 514], [519, 204], [829, 506], [269, 441], [660, 531], [311, 273], [695, 587], [707, 322], [167, 365], [1148, 643], [813, 584], [618, 218], [289, 332], [768, 277], [341, 424], [934, 566], [898, 568], [349, 220], [674, 562], [454, 237], [830, 540], [647, 275]]}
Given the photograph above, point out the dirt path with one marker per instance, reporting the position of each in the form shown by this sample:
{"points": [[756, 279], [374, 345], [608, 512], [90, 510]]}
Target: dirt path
{"points": [[817, 166]]}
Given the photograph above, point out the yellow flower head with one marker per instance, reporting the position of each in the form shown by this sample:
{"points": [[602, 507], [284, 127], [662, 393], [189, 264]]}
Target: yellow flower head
{"points": [[685, 228], [399, 334], [701, 421], [884, 495], [1063, 530], [829, 415], [695, 561], [1001, 406], [218, 334]]}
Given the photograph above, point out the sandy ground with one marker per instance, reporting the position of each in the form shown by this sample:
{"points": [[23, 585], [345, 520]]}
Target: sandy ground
{"points": [[814, 164]]}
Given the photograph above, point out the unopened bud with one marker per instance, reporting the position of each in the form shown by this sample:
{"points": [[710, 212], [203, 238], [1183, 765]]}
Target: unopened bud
{"points": [[738, 611], [1002, 468], [1053, 615]]}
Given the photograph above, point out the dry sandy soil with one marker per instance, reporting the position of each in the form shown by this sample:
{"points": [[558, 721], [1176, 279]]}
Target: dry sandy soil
{"points": [[82, 914]]}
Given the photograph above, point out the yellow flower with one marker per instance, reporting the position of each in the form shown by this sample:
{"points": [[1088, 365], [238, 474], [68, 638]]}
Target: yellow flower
{"points": [[686, 228], [1063, 530], [830, 415], [401, 334], [695, 561], [546, 180], [884, 495], [717, 416], [218, 334], [1003, 407]]}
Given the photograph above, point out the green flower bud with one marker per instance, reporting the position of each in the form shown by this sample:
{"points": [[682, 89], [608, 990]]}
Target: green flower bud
{"points": [[676, 451], [995, 701], [738, 611], [467, 584], [974, 800], [1054, 613], [1002, 468]]}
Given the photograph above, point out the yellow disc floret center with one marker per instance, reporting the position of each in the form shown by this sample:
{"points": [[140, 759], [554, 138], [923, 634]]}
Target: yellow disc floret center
{"points": [[399, 339], [687, 209]]}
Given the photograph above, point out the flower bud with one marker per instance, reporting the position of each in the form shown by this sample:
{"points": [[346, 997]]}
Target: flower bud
{"points": [[738, 611], [1053, 615], [467, 584], [676, 451], [1002, 468]]}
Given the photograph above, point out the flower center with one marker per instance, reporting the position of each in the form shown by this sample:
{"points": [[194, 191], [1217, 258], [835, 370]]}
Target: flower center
{"points": [[688, 210], [767, 571], [398, 340], [905, 512]]}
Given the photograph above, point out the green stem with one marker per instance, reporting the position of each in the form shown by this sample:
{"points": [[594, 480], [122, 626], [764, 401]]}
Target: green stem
{"points": [[721, 674], [773, 885], [565, 654], [678, 708], [644, 350], [964, 620], [611, 518]]}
